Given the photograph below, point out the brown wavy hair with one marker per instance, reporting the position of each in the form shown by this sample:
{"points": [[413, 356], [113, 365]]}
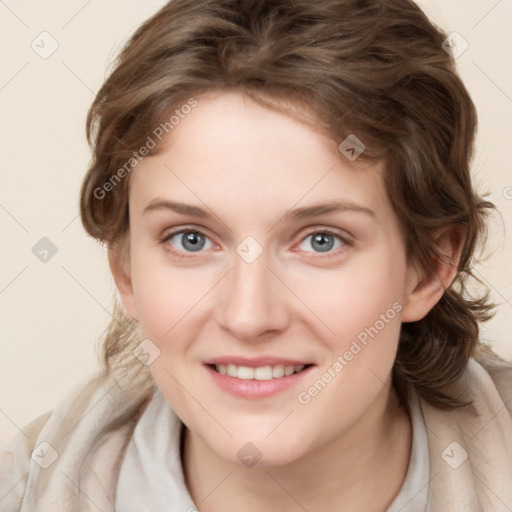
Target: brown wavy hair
{"points": [[374, 68]]}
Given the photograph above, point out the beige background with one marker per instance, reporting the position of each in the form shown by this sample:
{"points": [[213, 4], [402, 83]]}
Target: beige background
{"points": [[52, 313]]}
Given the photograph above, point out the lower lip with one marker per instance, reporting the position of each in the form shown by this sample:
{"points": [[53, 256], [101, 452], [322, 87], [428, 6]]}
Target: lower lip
{"points": [[255, 389]]}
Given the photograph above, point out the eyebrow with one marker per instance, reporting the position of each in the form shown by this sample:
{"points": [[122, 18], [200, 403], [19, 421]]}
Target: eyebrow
{"points": [[292, 215]]}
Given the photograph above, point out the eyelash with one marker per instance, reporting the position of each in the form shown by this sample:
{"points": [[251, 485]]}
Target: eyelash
{"points": [[324, 231]]}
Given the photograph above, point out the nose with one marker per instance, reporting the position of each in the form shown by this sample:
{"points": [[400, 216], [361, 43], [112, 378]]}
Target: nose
{"points": [[252, 304]]}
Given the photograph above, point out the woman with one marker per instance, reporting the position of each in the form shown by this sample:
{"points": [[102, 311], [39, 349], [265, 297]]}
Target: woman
{"points": [[284, 191]]}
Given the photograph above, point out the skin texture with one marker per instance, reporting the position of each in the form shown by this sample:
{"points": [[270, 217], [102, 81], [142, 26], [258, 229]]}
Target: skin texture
{"points": [[349, 447]]}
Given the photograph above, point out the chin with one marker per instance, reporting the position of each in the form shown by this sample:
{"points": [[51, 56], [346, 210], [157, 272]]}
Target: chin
{"points": [[249, 449]]}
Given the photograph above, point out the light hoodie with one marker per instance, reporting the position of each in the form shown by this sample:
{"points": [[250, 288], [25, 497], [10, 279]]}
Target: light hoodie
{"points": [[69, 459]]}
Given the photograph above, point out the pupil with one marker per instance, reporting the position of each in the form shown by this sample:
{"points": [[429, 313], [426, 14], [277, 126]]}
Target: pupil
{"points": [[324, 242], [195, 240]]}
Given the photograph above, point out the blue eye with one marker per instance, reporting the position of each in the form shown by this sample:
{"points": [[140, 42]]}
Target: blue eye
{"points": [[190, 241], [323, 241]]}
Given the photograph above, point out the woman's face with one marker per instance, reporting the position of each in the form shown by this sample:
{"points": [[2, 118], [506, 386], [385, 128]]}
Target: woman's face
{"points": [[258, 249]]}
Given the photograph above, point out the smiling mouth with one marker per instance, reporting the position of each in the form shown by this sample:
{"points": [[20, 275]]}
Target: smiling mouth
{"points": [[266, 372]]}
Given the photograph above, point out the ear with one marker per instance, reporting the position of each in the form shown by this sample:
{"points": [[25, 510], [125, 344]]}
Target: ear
{"points": [[427, 289], [119, 261]]}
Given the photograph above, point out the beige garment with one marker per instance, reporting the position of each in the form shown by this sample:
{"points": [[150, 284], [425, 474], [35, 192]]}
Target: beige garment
{"points": [[470, 447]]}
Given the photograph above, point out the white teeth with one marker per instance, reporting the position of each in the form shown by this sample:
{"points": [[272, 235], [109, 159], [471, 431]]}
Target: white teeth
{"points": [[288, 370], [245, 373], [232, 370], [260, 373], [263, 373], [278, 371]]}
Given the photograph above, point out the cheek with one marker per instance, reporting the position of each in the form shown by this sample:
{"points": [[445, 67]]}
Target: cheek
{"points": [[364, 311], [167, 297], [357, 297]]}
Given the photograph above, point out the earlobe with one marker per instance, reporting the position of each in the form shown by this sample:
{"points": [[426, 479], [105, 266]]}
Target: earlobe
{"points": [[119, 262], [428, 288]]}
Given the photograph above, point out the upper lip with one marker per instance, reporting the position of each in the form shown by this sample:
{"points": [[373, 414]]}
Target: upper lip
{"points": [[255, 362]]}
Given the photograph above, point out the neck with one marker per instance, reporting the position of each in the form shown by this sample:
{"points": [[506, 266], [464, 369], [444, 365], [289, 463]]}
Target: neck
{"points": [[363, 469]]}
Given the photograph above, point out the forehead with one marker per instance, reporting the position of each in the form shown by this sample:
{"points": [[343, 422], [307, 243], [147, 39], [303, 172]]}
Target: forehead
{"points": [[263, 161]]}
